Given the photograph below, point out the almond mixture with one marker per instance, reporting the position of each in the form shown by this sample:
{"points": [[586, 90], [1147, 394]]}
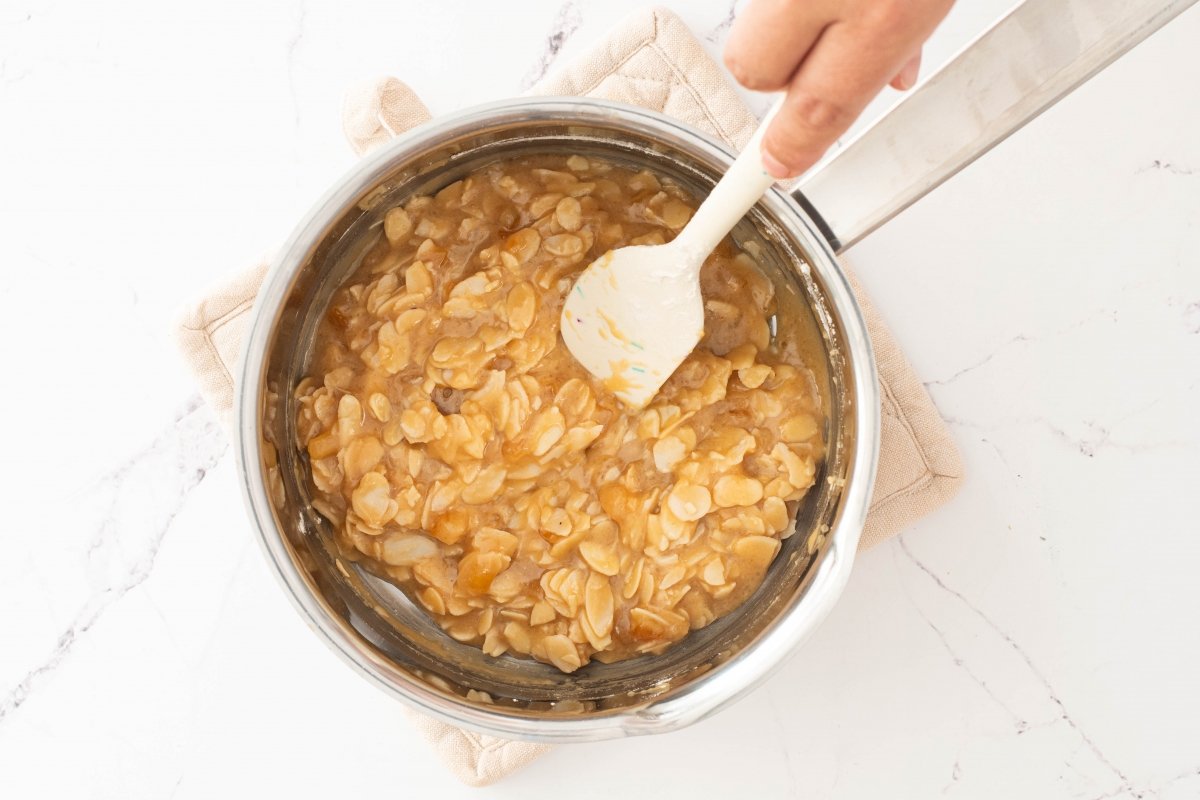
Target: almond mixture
{"points": [[459, 450]]}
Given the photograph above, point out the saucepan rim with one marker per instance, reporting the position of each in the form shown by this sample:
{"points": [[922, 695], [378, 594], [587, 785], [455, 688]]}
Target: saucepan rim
{"points": [[703, 695]]}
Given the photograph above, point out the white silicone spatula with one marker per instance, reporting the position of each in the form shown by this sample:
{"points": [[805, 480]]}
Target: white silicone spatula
{"points": [[636, 313]]}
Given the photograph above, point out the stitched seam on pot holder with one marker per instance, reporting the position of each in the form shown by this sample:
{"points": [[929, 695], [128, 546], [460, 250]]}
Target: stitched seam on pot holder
{"points": [[682, 81], [637, 48], [215, 326], [924, 477]]}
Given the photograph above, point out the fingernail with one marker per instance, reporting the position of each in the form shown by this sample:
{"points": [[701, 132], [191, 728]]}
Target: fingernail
{"points": [[908, 75], [775, 167]]}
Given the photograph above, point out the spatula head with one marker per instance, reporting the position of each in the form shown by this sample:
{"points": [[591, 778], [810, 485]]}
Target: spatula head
{"points": [[632, 317]]}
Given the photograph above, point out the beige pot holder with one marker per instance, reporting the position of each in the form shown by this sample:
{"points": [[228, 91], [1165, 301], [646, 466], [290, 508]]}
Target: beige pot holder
{"points": [[651, 60]]}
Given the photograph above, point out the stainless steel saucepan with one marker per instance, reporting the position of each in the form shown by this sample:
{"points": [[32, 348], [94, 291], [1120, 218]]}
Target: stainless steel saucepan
{"points": [[1022, 65]]}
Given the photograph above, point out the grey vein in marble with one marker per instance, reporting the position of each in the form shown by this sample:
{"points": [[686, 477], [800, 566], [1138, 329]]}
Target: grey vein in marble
{"points": [[777, 721], [1191, 317], [724, 25], [1153, 791], [566, 22], [1166, 166], [7, 79], [1051, 694], [955, 774], [1019, 338], [1100, 435], [1021, 723], [1022, 338], [290, 57], [172, 465], [999, 454]]}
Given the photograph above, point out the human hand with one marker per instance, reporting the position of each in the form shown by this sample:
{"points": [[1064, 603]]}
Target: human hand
{"points": [[832, 57]]}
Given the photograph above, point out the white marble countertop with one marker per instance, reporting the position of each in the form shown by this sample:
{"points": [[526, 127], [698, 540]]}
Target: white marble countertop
{"points": [[1036, 638]]}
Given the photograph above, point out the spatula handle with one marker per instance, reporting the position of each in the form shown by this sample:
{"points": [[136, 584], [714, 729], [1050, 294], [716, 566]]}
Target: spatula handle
{"points": [[735, 194]]}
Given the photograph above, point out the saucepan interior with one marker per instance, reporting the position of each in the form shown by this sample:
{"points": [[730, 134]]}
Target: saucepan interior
{"points": [[391, 640]]}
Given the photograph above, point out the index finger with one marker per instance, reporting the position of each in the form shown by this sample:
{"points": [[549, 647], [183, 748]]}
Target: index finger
{"points": [[846, 68], [770, 39]]}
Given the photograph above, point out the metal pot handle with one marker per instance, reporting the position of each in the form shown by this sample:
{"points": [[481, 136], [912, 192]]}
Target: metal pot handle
{"points": [[1018, 68]]}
